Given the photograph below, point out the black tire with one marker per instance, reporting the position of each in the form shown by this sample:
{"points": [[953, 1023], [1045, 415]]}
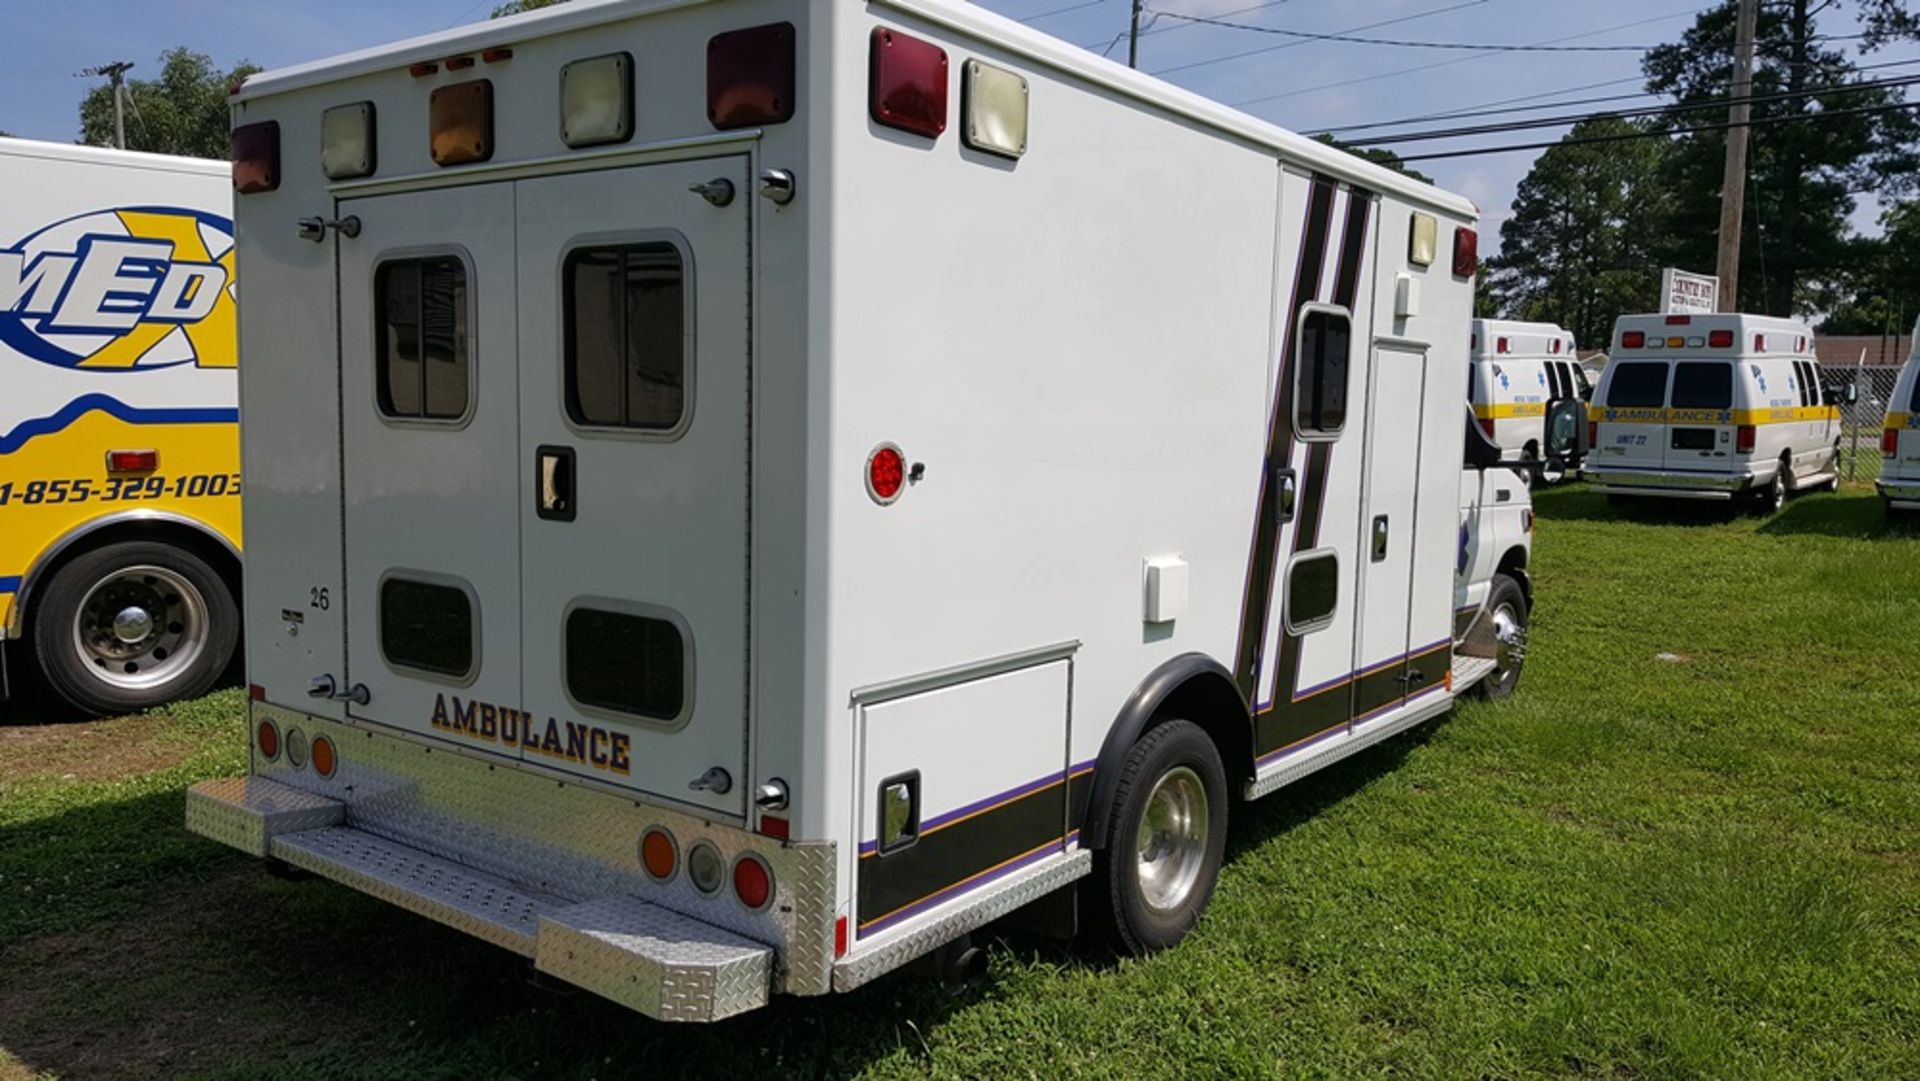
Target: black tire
{"points": [[1508, 596], [1773, 498], [1175, 752], [193, 621]]}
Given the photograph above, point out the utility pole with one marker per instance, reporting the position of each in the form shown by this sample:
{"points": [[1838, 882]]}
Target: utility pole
{"points": [[1733, 189], [1133, 35], [117, 71]]}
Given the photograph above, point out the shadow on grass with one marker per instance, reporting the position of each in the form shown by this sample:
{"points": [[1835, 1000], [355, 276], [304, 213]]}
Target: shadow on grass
{"points": [[1851, 514], [130, 948], [1588, 505]]}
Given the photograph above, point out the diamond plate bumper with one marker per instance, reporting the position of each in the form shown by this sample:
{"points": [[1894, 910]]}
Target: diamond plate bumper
{"points": [[660, 963]]}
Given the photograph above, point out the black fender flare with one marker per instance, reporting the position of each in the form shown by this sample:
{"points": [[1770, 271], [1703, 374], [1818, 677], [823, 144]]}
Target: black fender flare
{"points": [[1138, 714]]}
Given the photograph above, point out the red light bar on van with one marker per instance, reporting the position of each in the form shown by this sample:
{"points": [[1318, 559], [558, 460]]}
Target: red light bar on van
{"points": [[1501, 345], [750, 77], [1679, 320], [1633, 339], [1466, 253], [1721, 339], [256, 157], [908, 83]]}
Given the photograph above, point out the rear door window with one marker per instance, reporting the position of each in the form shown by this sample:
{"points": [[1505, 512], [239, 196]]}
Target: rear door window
{"points": [[1638, 385], [1703, 385], [1913, 406]]}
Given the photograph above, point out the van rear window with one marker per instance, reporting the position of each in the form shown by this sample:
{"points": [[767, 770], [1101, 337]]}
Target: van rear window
{"points": [[427, 626], [626, 663], [420, 357], [626, 343], [1638, 385], [1703, 385], [1914, 405]]}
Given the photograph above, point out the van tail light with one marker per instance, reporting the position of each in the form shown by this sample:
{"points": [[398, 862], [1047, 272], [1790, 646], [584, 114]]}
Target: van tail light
{"points": [[323, 756], [267, 738], [1890, 443], [752, 882], [1721, 339], [256, 157], [1466, 253], [908, 83], [1593, 433], [659, 854], [1743, 439], [1633, 339], [1486, 425]]}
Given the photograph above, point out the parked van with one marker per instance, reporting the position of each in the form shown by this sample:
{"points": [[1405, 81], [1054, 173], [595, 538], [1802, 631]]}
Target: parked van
{"points": [[1900, 444], [119, 443], [1515, 370], [1717, 407], [896, 542]]}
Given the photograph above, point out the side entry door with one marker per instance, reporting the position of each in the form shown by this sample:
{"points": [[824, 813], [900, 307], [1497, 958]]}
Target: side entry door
{"points": [[1396, 401], [634, 392], [425, 293]]}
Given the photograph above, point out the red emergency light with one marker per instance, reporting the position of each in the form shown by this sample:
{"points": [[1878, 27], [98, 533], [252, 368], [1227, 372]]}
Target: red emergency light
{"points": [[256, 157], [1721, 339], [132, 461], [1466, 253], [750, 77], [908, 84], [1633, 339]]}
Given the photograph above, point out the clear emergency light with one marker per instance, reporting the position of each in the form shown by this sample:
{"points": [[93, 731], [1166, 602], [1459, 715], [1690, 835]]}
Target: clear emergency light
{"points": [[256, 157], [461, 122], [347, 141], [908, 84], [596, 100], [750, 77], [995, 103], [1423, 247]]}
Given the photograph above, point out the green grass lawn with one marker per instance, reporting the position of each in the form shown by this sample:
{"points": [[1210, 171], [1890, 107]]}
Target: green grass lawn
{"points": [[1690, 847]]}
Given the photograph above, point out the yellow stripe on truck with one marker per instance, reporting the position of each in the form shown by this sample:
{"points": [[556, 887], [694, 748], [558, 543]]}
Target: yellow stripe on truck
{"points": [[1897, 421], [1754, 417], [1510, 410]]}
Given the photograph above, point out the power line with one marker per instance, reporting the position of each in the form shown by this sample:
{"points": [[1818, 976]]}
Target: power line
{"points": [[1587, 140], [1471, 111], [1059, 11], [1350, 30], [1457, 60], [1675, 109], [1189, 26], [1408, 44]]}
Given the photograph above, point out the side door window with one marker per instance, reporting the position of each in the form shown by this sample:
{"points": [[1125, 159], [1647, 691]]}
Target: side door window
{"points": [[1323, 374]]}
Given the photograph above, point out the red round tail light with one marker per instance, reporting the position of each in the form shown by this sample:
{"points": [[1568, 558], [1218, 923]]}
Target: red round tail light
{"points": [[886, 473], [267, 738], [752, 882], [659, 855]]}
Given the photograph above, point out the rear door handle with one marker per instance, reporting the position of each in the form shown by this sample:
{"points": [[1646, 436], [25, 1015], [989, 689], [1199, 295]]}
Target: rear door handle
{"points": [[555, 485], [1381, 532]]}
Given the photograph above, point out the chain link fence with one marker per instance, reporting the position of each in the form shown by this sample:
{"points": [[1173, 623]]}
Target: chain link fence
{"points": [[1864, 420]]}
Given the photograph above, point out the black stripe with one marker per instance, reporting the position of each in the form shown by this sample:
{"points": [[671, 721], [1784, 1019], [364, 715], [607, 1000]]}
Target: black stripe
{"points": [[1257, 597], [957, 852], [1288, 722]]}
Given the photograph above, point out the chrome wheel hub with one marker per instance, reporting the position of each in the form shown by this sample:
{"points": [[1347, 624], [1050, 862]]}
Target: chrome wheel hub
{"points": [[1172, 844], [139, 627], [1510, 641]]}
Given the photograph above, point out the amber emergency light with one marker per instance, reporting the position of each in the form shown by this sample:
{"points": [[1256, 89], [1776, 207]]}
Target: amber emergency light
{"points": [[461, 122]]}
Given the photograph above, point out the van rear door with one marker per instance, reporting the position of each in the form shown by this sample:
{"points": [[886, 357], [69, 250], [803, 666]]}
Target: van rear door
{"points": [[1700, 417], [1633, 430]]}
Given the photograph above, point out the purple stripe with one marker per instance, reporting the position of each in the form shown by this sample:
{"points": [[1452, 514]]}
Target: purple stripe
{"points": [[1371, 669], [929, 825], [1343, 726], [1052, 848]]}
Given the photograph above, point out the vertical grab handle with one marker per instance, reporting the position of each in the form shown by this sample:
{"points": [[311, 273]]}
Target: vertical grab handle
{"points": [[1382, 532], [555, 484]]}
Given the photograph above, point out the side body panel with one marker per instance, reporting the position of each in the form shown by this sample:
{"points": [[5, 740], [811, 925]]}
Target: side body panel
{"points": [[116, 333]]}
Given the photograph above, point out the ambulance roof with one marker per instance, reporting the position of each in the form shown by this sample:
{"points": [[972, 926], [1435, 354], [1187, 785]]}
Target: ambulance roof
{"points": [[1704, 324], [100, 155], [1031, 45], [1692, 337], [1528, 340]]}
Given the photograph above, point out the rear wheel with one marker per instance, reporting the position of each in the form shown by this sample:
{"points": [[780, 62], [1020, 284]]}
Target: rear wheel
{"points": [[1774, 496], [134, 625], [1166, 838], [1507, 608]]}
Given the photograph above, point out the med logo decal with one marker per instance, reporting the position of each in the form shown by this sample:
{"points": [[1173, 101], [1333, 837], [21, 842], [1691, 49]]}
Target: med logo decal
{"points": [[122, 290]]}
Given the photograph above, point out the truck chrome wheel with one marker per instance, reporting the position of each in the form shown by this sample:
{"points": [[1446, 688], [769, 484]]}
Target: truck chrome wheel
{"points": [[1172, 844], [1510, 637], [140, 627]]}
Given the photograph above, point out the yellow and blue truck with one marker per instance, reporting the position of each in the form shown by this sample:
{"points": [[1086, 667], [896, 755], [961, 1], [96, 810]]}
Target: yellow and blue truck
{"points": [[119, 424]]}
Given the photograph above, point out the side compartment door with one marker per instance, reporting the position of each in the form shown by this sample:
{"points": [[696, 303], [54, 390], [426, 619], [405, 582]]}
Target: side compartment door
{"points": [[633, 476], [428, 424], [1396, 400]]}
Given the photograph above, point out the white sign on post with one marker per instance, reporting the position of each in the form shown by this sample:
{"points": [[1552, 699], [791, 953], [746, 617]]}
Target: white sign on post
{"points": [[1682, 293]]}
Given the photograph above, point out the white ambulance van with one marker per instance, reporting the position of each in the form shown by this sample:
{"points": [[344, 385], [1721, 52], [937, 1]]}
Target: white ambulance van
{"points": [[1718, 407], [1515, 369], [1900, 442], [747, 493], [119, 442]]}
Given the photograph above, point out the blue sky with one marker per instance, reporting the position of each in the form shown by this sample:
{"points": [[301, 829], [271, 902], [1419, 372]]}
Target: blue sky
{"points": [[1306, 86]]}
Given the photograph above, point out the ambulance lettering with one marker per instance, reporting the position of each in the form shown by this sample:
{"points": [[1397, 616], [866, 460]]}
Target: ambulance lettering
{"points": [[122, 290], [573, 741]]}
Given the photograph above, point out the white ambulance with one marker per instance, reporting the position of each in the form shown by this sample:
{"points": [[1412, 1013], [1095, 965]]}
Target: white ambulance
{"points": [[119, 442], [746, 493], [1717, 407], [1514, 370], [1900, 442]]}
